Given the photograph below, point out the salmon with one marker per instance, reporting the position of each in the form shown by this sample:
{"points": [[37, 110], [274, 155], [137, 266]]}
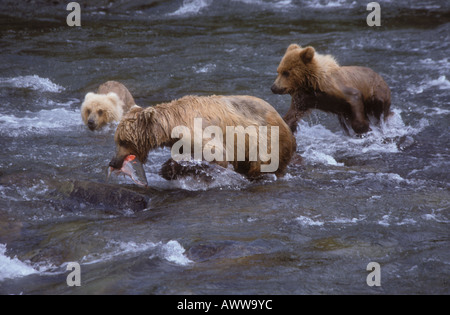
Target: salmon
{"points": [[133, 168]]}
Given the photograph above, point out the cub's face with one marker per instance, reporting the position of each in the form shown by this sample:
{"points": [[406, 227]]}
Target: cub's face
{"points": [[98, 110], [94, 116], [293, 69]]}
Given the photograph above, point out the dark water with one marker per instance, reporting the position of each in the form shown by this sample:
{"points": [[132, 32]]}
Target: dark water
{"points": [[383, 198]]}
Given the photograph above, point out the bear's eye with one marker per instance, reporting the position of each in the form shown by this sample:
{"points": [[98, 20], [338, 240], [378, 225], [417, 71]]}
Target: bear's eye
{"points": [[88, 112], [285, 74], [100, 112], [124, 144]]}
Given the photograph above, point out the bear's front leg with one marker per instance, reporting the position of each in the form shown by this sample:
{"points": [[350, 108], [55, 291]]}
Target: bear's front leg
{"points": [[359, 121], [297, 110], [292, 118]]}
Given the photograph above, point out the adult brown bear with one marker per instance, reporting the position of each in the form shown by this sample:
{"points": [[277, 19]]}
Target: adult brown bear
{"points": [[228, 118], [317, 82]]}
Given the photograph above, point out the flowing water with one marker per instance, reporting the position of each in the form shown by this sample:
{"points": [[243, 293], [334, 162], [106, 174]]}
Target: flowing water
{"points": [[381, 198]]}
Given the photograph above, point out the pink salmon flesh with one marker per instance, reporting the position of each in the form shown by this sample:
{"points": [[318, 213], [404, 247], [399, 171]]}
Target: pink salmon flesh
{"points": [[133, 168]]}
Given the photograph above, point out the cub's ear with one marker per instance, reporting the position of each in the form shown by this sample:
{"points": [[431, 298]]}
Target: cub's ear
{"points": [[307, 54], [292, 47], [89, 95], [113, 97]]}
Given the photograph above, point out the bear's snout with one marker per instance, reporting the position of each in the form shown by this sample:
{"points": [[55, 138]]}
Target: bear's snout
{"points": [[276, 90], [91, 124], [116, 163]]}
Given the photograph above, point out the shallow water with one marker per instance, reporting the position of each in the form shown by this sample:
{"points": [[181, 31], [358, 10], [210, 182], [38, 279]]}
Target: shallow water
{"points": [[382, 198]]}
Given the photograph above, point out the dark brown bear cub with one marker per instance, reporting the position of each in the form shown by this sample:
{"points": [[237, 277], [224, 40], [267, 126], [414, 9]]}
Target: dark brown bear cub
{"points": [[317, 82]]}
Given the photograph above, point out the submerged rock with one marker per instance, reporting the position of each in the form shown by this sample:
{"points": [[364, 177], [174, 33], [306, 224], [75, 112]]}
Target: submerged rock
{"points": [[59, 190], [104, 195], [225, 250]]}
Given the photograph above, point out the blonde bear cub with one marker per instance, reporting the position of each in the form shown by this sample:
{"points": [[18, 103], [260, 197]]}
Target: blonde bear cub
{"points": [[109, 104]]}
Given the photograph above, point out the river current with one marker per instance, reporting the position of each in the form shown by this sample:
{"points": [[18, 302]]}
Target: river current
{"points": [[381, 198]]}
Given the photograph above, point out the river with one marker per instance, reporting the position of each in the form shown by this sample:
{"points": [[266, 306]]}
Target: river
{"points": [[382, 198]]}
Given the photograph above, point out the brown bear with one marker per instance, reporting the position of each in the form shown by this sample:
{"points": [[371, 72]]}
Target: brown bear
{"points": [[317, 82], [109, 104], [243, 131]]}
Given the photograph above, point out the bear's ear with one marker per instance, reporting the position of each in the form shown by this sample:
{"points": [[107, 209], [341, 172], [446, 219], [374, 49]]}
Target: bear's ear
{"points": [[292, 47], [307, 54], [133, 112], [113, 97], [145, 117], [89, 95], [136, 109]]}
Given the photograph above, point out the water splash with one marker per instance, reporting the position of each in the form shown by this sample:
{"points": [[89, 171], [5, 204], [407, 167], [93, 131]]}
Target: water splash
{"points": [[319, 145], [190, 7], [11, 268], [441, 83], [33, 82], [43, 122], [171, 251]]}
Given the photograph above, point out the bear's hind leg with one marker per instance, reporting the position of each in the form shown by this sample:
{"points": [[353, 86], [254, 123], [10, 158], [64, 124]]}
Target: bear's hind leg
{"points": [[387, 110]]}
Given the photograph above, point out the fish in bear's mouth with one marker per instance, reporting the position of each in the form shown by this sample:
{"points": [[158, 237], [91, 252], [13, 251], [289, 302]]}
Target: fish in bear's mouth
{"points": [[133, 168]]}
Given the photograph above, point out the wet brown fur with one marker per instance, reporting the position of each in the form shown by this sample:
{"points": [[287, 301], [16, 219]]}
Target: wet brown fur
{"points": [[142, 130], [318, 82]]}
